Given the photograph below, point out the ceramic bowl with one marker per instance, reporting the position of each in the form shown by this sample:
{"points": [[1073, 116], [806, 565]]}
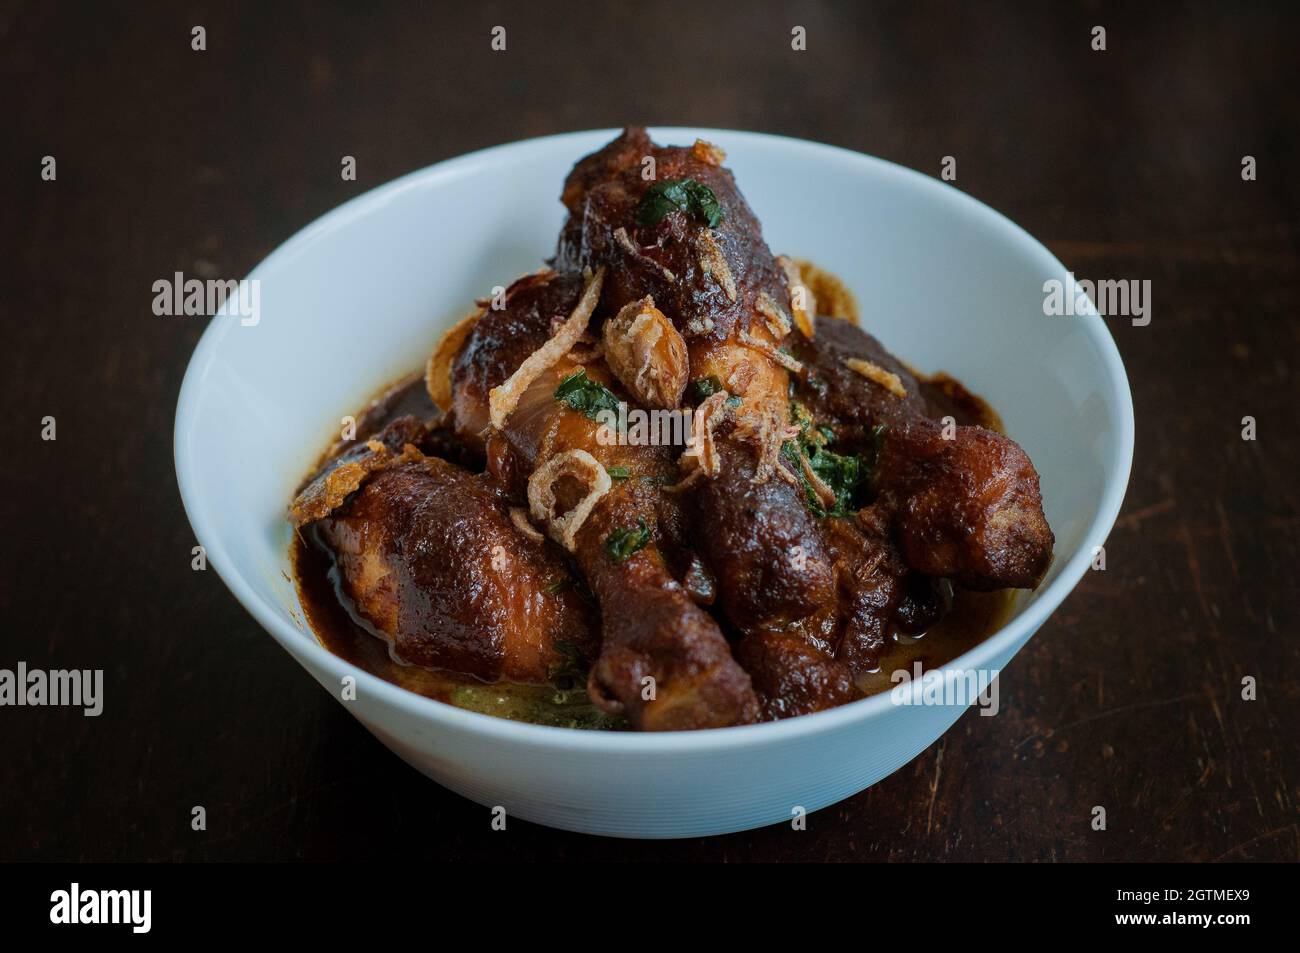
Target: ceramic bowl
{"points": [[358, 298]]}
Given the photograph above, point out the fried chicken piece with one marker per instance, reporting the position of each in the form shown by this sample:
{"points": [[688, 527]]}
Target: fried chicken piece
{"points": [[778, 567], [663, 661], [761, 542], [791, 676], [968, 508], [498, 610], [844, 398], [708, 279], [961, 502], [728, 298], [879, 595]]}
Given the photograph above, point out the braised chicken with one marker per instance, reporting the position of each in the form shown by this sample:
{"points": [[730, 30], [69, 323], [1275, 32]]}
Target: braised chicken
{"points": [[655, 461], [663, 660], [498, 610]]}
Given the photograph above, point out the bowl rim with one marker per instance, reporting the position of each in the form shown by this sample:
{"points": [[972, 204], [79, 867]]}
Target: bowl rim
{"points": [[443, 715]]}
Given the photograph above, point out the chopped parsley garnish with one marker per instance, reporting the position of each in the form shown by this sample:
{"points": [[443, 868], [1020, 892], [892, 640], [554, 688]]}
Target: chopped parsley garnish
{"points": [[843, 474], [702, 388], [622, 543], [586, 396], [618, 473], [848, 477], [684, 195]]}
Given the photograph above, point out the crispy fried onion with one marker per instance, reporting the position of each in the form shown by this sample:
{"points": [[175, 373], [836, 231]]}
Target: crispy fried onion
{"points": [[764, 425], [647, 354], [331, 489], [708, 153], [713, 263], [825, 494], [778, 322], [771, 433], [877, 375], [701, 452], [803, 316], [437, 372], [741, 376], [831, 296], [772, 351], [503, 400], [581, 466], [519, 516], [625, 242]]}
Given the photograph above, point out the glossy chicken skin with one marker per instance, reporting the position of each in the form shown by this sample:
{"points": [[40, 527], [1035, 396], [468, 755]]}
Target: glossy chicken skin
{"points": [[842, 397], [429, 558], [961, 502], [968, 508], [663, 661], [820, 583], [713, 282], [667, 260], [791, 676], [879, 594]]}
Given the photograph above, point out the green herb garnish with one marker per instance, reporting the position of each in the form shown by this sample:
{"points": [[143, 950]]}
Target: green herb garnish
{"points": [[842, 474], [622, 543], [684, 195], [847, 476], [569, 669], [618, 473], [586, 396], [702, 388]]}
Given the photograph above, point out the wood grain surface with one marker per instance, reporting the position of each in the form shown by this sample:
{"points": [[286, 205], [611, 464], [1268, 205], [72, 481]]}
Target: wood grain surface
{"points": [[1126, 163]]}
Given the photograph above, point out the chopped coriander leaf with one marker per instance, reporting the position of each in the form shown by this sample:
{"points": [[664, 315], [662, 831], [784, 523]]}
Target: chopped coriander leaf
{"points": [[848, 476], [800, 417], [586, 396], [622, 543], [618, 473], [684, 195], [702, 388], [842, 474]]}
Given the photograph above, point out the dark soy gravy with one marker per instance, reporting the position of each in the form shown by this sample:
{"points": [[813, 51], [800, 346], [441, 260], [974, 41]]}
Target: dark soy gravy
{"points": [[972, 618]]}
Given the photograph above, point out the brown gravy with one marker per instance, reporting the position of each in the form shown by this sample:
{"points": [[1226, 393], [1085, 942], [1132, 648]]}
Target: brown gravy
{"points": [[973, 616]]}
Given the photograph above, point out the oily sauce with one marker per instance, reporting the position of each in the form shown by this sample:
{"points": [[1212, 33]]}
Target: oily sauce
{"points": [[972, 618]]}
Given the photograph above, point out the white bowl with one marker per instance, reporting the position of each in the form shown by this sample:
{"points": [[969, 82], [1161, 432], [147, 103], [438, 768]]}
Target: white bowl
{"points": [[359, 297]]}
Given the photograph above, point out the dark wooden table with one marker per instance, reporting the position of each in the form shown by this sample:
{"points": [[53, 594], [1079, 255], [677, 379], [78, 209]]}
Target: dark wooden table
{"points": [[1127, 163]]}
